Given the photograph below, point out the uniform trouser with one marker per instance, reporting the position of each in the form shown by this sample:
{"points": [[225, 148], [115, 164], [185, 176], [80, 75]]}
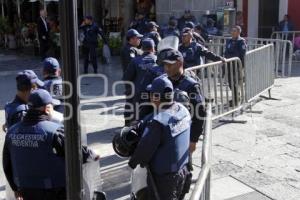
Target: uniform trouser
{"points": [[169, 186], [44, 47], [234, 81], [90, 55], [129, 111], [43, 194]]}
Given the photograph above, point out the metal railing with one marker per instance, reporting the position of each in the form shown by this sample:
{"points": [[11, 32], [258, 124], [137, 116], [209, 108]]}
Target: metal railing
{"points": [[203, 185], [222, 83], [285, 35], [259, 71], [283, 51]]}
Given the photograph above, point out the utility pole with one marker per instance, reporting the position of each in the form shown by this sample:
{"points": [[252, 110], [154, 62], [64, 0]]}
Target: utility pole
{"points": [[70, 63]]}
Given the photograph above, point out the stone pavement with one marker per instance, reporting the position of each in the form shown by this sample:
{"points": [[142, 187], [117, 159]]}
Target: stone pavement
{"points": [[258, 160]]}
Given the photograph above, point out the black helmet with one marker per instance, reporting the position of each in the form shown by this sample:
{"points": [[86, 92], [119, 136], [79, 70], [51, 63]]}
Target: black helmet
{"points": [[125, 143], [182, 97]]}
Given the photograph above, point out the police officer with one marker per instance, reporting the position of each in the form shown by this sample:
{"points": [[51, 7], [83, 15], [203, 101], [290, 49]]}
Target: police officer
{"points": [[90, 33], [192, 51], [33, 152], [171, 30], [164, 145], [130, 50], [153, 32], [196, 37], [141, 72], [16, 110], [140, 23], [235, 47], [173, 65], [53, 80]]}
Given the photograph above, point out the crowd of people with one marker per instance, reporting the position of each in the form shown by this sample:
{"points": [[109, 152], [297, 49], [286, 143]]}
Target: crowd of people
{"points": [[159, 104]]}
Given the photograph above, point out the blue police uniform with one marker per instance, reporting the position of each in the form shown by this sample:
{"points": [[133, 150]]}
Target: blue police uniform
{"points": [[53, 84], [192, 54], [15, 111], [235, 48], [90, 43], [128, 51], [187, 83], [33, 153]]}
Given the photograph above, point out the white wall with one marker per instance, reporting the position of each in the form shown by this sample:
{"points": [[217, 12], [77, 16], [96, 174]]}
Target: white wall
{"points": [[283, 8], [253, 15]]}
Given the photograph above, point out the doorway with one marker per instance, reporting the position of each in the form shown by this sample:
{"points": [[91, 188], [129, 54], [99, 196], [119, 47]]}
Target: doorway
{"points": [[268, 17]]}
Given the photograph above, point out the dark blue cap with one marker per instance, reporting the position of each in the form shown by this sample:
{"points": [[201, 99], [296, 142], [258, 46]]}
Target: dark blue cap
{"points": [[40, 97], [28, 77], [161, 85], [152, 24], [190, 25], [186, 31], [148, 43], [51, 64], [172, 56], [89, 17], [133, 33]]}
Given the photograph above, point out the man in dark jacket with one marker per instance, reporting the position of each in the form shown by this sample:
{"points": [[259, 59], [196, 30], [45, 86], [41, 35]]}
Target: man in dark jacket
{"points": [[90, 33], [43, 32]]}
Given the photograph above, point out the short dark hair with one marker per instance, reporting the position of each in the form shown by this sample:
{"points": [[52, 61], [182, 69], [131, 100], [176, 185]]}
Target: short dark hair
{"points": [[24, 87], [238, 28]]}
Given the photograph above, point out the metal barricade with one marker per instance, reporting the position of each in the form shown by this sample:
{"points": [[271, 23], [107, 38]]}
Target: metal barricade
{"points": [[259, 71], [285, 35], [222, 83], [203, 185], [283, 51]]}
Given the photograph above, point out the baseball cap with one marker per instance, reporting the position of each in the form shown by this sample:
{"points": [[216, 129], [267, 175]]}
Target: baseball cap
{"points": [[89, 17], [148, 43], [51, 63], [28, 77], [152, 24], [133, 33], [160, 85], [190, 25], [40, 97], [186, 31], [172, 56]]}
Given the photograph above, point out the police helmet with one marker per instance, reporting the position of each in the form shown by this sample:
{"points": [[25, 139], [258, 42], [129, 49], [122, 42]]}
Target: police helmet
{"points": [[182, 97], [125, 143]]}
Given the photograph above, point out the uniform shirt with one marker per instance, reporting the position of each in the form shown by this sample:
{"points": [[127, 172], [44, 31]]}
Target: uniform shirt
{"points": [[90, 33], [128, 53], [15, 111], [53, 84], [56, 138], [189, 85], [236, 48], [170, 32], [192, 54], [141, 73]]}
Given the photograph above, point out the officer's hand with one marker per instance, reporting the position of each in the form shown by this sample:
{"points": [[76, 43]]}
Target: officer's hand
{"points": [[223, 60], [4, 128], [193, 147]]}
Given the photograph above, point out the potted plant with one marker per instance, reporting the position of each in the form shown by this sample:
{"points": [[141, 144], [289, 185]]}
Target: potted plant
{"points": [[115, 44]]}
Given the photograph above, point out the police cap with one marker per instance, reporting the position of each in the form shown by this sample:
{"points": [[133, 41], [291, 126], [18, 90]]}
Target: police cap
{"points": [[133, 33], [148, 43], [51, 64], [28, 77], [172, 56], [40, 97]]}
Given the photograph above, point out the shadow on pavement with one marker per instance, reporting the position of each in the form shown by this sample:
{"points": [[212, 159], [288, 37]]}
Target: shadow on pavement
{"points": [[104, 136]]}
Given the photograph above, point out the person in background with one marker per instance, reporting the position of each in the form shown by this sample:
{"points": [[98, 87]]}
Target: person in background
{"points": [[90, 32], [43, 33], [202, 32], [140, 23], [15, 111], [211, 29], [286, 24], [235, 47], [153, 32], [171, 30], [53, 82], [192, 51], [187, 17], [197, 37]]}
